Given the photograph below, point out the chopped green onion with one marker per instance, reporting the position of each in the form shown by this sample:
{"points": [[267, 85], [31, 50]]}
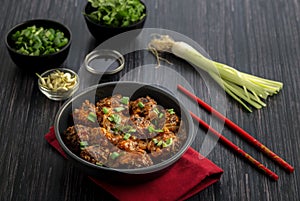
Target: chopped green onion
{"points": [[141, 105], [115, 118], [126, 136], [160, 143], [125, 100], [83, 143], [105, 110], [168, 142], [156, 110], [160, 115], [151, 129], [119, 109], [99, 163], [171, 111], [155, 140], [92, 117], [114, 155]]}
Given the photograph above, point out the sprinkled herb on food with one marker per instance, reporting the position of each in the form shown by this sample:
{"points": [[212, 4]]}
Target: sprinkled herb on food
{"points": [[36, 41], [131, 138]]}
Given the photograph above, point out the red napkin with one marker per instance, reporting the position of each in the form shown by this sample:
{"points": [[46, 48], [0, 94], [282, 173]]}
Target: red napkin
{"points": [[189, 175]]}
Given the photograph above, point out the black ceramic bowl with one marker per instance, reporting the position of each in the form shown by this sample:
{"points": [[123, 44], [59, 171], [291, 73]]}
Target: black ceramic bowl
{"points": [[133, 90], [103, 32], [43, 62]]}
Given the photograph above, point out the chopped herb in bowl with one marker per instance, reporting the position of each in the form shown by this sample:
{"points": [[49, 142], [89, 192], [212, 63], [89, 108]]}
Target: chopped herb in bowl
{"points": [[116, 13], [36, 41]]}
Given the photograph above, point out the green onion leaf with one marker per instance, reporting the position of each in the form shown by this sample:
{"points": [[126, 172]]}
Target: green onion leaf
{"points": [[141, 105], [126, 136], [114, 155], [83, 143], [119, 109], [105, 110], [125, 100], [92, 117], [168, 142], [171, 111]]}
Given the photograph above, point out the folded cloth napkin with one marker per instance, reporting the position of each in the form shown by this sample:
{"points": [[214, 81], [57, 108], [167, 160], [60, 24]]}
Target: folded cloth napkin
{"points": [[188, 176]]}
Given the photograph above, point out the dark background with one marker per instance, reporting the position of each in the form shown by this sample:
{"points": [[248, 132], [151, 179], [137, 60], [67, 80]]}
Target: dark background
{"points": [[260, 37]]}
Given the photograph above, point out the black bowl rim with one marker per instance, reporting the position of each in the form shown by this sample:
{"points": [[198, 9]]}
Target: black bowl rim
{"points": [[144, 170], [109, 27], [29, 22]]}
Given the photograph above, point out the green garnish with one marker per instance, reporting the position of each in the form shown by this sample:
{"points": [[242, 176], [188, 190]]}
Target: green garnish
{"points": [[36, 41], [116, 13], [119, 109], [105, 110], [125, 100], [168, 142], [92, 117], [160, 115], [155, 140], [151, 129], [83, 143], [156, 110], [141, 105], [126, 136], [160, 143], [114, 155], [171, 111], [115, 118], [99, 163]]}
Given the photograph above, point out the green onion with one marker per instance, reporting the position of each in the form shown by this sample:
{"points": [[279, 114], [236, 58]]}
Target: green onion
{"points": [[160, 115], [241, 86], [125, 100], [115, 118], [99, 163], [36, 41], [126, 136], [105, 110], [156, 110], [83, 143], [119, 109], [141, 105], [155, 140], [92, 117], [151, 129], [160, 143], [114, 155], [168, 142], [171, 111]]}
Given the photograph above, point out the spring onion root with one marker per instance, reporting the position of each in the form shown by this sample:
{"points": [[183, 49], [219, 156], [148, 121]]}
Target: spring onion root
{"points": [[241, 86]]}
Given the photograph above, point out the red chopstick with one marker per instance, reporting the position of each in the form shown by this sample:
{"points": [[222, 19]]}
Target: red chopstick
{"points": [[239, 131], [235, 148]]}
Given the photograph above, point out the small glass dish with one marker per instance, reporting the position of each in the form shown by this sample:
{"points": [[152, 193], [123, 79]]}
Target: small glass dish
{"points": [[55, 94]]}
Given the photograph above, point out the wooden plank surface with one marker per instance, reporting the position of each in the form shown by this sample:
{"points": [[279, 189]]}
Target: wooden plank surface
{"points": [[261, 37]]}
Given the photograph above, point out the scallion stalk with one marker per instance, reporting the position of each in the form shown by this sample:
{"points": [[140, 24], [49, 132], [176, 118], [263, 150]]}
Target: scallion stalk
{"points": [[243, 87]]}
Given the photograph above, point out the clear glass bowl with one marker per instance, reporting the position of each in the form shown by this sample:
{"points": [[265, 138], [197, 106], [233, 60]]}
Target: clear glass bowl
{"points": [[58, 95]]}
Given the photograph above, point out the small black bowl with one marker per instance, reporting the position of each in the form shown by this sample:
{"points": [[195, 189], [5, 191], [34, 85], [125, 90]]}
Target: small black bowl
{"points": [[134, 90], [103, 32], [38, 63]]}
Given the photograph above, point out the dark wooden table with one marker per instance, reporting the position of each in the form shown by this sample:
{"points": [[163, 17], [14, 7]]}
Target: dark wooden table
{"points": [[261, 37]]}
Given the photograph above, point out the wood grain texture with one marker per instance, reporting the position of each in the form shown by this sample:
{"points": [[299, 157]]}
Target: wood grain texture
{"points": [[261, 37]]}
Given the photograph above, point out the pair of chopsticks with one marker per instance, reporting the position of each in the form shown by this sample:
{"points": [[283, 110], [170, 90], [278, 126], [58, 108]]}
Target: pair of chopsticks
{"points": [[242, 133]]}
